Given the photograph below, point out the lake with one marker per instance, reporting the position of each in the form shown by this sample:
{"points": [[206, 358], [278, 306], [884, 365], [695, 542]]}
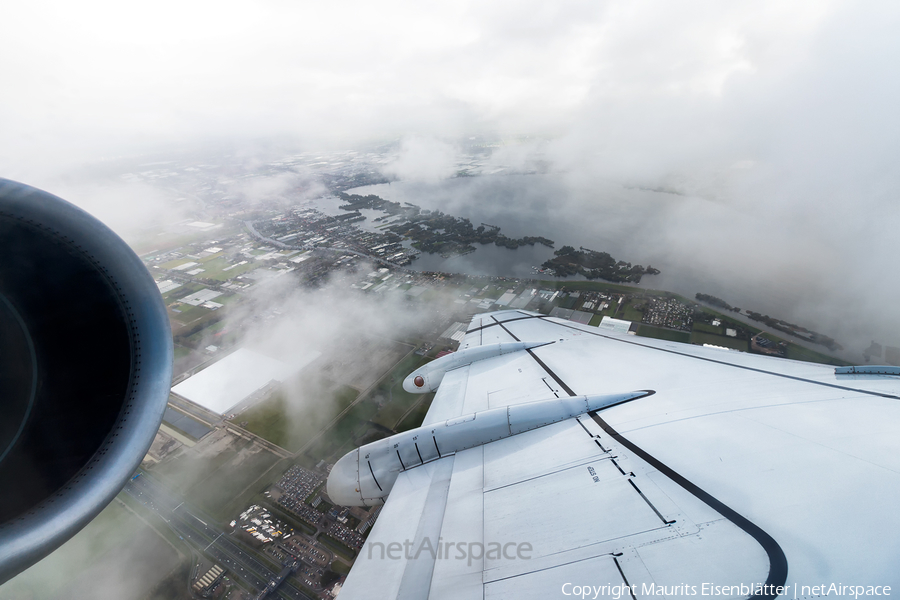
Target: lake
{"points": [[700, 245]]}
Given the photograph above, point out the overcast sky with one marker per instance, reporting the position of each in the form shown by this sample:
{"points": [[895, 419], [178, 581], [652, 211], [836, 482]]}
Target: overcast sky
{"points": [[648, 87], [109, 74], [786, 111]]}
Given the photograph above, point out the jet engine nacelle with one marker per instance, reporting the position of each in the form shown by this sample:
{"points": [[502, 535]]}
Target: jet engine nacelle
{"points": [[365, 476], [428, 377], [85, 370]]}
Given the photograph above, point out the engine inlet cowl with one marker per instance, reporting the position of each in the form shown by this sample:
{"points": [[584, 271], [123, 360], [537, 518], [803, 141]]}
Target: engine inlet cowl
{"points": [[85, 370]]}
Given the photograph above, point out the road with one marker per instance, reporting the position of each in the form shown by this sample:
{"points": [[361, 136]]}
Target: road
{"points": [[200, 531]]}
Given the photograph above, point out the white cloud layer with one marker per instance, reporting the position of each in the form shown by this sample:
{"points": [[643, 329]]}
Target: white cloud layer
{"points": [[781, 112], [104, 74]]}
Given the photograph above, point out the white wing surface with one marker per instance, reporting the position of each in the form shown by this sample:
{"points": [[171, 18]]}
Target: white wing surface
{"points": [[742, 470]]}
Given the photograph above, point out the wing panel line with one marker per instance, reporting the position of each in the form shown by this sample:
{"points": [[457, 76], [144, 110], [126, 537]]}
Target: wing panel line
{"points": [[483, 327], [650, 504], [778, 567], [625, 579], [728, 364], [580, 463]]}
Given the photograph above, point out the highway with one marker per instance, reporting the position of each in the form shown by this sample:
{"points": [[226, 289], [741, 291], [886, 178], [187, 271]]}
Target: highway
{"points": [[200, 531]]}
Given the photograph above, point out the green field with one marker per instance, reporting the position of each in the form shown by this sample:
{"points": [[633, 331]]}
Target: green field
{"points": [[663, 334], [728, 321], [591, 286], [295, 414], [390, 393], [189, 314], [180, 292], [798, 352], [204, 333], [416, 416], [379, 412], [177, 263], [340, 438], [215, 269], [191, 333], [207, 333], [599, 286], [611, 310], [568, 302], [213, 265], [595, 320], [206, 259], [629, 313], [336, 546], [705, 328], [699, 337]]}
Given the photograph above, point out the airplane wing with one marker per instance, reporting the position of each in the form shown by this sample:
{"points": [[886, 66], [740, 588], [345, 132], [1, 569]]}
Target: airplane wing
{"points": [[741, 470]]}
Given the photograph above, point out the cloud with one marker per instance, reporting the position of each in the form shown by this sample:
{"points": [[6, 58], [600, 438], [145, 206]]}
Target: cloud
{"points": [[106, 75], [131, 209], [423, 159], [798, 95], [274, 188]]}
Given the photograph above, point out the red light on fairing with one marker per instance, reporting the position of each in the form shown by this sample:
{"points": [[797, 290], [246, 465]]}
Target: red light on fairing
{"points": [[419, 381]]}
